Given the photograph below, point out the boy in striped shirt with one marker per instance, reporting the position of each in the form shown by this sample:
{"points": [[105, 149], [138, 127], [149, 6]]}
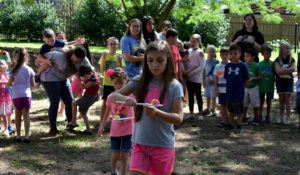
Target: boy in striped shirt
{"points": [[220, 85]]}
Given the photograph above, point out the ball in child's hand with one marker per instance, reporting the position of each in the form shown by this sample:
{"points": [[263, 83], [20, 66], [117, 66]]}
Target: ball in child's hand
{"points": [[117, 118], [155, 102]]}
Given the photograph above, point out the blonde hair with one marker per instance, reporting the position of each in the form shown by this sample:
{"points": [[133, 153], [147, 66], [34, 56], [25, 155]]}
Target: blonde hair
{"points": [[282, 46], [198, 38], [212, 47], [110, 39]]}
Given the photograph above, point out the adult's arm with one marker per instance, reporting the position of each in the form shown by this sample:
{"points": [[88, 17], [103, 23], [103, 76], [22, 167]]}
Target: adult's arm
{"points": [[130, 58], [236, 38]]}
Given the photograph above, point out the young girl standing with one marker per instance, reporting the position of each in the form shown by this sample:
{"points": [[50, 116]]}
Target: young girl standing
{"points": [[21, 79], [153, 137], [284, 67], [5, 101], [120, 130], [194, 78]]}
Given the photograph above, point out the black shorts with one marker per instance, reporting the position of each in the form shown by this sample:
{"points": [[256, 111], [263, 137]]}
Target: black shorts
{"points": [[235, 107], [106, 91]]}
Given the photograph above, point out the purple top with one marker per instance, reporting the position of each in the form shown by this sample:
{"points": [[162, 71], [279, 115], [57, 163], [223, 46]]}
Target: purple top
{"points": [[21, 85]]}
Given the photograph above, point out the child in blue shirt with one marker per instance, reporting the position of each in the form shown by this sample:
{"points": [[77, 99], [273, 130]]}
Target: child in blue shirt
{"points": [[236, 75]]}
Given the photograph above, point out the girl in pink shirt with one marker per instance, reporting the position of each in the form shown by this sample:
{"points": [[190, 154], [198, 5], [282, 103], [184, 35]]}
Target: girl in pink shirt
{"points": [[122, 123]]}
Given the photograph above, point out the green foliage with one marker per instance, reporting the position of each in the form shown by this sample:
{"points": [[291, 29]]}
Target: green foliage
{"points": [[16, 19], [97, 22]]}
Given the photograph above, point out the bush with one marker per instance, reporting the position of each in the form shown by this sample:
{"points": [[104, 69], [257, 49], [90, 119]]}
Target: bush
{"points": [[211, 32], [97, 22]]}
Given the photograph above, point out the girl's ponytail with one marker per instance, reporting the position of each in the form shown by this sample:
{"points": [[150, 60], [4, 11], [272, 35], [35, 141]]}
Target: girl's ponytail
{"points": [[21, 54]]}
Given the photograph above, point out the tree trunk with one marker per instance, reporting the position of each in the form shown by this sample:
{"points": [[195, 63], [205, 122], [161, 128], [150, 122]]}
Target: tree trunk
{"points": [[166, 14]]}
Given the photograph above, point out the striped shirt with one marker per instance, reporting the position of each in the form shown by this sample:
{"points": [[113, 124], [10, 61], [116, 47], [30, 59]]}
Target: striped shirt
{"points": [[219, 72]]}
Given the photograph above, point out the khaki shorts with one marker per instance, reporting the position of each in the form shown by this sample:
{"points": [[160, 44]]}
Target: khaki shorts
{"points": [[251, 97]]}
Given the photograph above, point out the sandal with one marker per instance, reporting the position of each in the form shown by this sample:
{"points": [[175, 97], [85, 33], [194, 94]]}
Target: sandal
{"points": [[85, 132], [70, 126]]}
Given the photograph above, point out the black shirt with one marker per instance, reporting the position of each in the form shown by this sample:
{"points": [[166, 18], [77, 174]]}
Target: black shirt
{"points": [[244, 44]]}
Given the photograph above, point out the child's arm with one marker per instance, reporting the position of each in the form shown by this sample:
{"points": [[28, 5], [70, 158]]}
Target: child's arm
{"points": [[122, 95], [32, 82], [42, 59], [175, 117], [102, 65], [200, 66], [216, 85], [87, 84], [282, 71], [10, 81], [71, 43], [104, 121], [119, 57], [42, 68], [189, 70]]}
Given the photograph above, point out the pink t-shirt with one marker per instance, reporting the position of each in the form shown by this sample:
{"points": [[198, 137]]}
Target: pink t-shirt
{"points": [[122, 127]]}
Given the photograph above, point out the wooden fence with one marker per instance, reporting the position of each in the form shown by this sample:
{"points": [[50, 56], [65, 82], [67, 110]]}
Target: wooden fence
{"points": [[288, 30]]}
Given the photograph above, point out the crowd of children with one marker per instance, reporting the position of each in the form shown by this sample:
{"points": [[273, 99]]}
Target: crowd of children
{"points": [[173, 72]]}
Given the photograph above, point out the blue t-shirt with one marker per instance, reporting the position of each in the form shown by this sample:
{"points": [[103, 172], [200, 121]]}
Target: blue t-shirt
{"points": [[46, 48], [131, 45], [235, 75], [209, 70]]}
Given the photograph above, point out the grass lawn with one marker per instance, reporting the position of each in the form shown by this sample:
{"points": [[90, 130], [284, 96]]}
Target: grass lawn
{"points": [[201, 147]]}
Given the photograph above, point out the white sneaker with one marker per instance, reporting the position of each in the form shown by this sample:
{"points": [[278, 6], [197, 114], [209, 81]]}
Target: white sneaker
{"points": [[279, 120], [6, 133], [200, 117], [189, 116], [287, 121]]}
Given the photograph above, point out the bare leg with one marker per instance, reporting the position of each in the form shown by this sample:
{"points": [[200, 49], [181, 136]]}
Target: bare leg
{"points": [[255, 111], [5, 122], [269, 106], [261, 107], [86, 121], [18, 115], [208, 103], [9, 120], [231, 116], [102, 112], [74, 112], [288, 105], [42, 68], [281, 104], [124, 160], [25, 113], [224, 113], [213, 103], [62, 108], [245, 112], [239, 119], [114, 159]]}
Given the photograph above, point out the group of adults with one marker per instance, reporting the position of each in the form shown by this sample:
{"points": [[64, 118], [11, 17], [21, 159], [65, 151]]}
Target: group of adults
{"points": [[133, 44]]}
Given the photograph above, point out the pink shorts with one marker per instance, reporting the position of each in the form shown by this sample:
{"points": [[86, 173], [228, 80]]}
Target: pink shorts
{"points": [[152, 160], [23, 102], [76, 89]]}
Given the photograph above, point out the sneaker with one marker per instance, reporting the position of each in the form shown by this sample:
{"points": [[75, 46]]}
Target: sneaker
{"points": [[10, 129], [245, 121], [213, 113], [238, 129], [200, 117], [116, 173], [6, 133], [256, 122], [287, 121], [206, 112], [279, 120], [189, 116], [229, 127], [268, 120]]}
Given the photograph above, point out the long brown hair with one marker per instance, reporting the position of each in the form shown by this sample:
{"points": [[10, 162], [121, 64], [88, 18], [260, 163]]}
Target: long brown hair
{"points": [[168, 75], [79, 52], [140, 35], [22, 56]]}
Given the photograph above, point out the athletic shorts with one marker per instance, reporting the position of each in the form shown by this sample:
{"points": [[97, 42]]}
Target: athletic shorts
{"points": [[122, 143], [222, 98], [269, 95], [106, 91], [152, 160], [235, 107], [284, 88], [23, 102]]}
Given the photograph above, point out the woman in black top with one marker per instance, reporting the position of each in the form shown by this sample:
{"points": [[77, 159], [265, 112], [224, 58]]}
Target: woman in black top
{"points": [[249, 36]]}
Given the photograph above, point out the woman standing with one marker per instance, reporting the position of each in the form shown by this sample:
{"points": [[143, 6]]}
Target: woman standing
{"points": [[133, 46], [249, 36], [149, 29]]}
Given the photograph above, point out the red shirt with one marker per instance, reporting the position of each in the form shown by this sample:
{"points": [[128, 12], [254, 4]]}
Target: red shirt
{"points": [[93, 90], [176, 59]]}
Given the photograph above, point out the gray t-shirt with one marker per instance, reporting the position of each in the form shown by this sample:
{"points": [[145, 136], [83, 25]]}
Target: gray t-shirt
{"points": [[59, 69], [152, 131]]}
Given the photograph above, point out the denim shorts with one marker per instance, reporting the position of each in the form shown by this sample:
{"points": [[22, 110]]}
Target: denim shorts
{"points": [[122, 143]]}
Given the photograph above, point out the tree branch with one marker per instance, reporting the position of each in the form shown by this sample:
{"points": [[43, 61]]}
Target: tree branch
{"points": [[145, 8], [120, 16], [160, 9], [166, 13], [125, 9]]}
